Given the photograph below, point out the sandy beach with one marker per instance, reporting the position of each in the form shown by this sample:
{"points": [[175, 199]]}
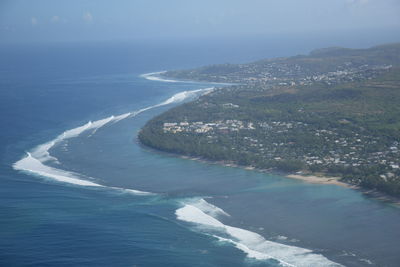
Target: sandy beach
{"points": [[307, 178], [313, 179]]}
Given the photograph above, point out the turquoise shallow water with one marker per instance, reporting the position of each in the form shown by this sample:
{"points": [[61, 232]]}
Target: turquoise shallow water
{"points": [[48, 223]]}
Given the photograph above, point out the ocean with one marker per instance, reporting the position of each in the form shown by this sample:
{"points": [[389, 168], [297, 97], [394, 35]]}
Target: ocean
{"points": [[77, 189]]}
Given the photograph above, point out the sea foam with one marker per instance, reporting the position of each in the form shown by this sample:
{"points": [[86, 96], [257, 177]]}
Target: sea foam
{"points": [[254, 245], [154, 76], [35, 161]]}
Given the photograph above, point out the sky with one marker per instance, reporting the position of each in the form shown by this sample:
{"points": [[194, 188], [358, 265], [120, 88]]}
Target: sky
{"points": [[25, 21]]}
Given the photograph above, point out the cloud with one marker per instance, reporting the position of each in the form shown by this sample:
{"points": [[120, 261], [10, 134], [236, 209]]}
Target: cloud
{"points": [[87, 17], [55, 19], [34, 21]]}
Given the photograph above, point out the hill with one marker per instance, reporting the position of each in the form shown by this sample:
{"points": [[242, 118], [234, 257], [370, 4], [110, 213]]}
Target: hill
{"points": [[345, 125]]}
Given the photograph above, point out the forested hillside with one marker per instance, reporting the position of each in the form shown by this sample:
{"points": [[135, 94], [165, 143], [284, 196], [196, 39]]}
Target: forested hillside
{"points": [[348, 128]]}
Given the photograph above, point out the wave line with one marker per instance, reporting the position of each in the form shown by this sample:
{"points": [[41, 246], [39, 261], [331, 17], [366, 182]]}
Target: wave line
{"points": [[34, 161], [254, 245]]}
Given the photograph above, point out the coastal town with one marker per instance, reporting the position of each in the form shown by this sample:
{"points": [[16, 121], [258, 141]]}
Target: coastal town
{"points": [[334, 112], [350, 150], [200, 127], [283, 74], [295, 71]]}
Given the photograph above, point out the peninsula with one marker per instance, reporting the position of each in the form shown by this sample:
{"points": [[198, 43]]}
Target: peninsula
{"points": [[334, 113]]}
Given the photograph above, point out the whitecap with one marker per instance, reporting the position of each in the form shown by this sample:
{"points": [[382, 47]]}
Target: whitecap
{"points": [[209, 208], [34, 162], [254, 245], [154, 76]]}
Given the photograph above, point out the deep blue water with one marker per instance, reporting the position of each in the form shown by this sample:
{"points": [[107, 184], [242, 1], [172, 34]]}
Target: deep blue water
{"points": [[46, 90]]}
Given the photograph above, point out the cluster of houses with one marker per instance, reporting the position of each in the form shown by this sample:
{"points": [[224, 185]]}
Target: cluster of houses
{"points": [[286, 74], [346, 75], [348, 150], [200, 127]]}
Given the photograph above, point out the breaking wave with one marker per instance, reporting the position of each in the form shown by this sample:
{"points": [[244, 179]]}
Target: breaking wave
{"points": [[35, 161], [254, 245], [197, 211], [153, 76]]}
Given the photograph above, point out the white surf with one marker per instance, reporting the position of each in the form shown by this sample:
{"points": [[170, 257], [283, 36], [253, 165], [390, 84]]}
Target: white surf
{"points": [[35, 161], [154, 76], [254, 245]]}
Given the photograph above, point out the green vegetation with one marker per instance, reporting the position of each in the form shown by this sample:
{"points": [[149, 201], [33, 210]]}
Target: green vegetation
{"points": [[330, 65], [347, 126]]}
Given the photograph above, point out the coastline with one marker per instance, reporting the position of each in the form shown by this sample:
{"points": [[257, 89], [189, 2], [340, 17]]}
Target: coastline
{"points": [[314, 179], [310, 179], [307, 178]]}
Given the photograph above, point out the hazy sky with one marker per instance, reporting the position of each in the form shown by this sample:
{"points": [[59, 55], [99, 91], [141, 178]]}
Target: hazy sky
{"points": [[78, 20]]}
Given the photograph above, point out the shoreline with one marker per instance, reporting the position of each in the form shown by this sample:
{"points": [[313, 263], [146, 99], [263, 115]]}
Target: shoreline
{"points": [[306, 178], [314, 179], [310, 179]]}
